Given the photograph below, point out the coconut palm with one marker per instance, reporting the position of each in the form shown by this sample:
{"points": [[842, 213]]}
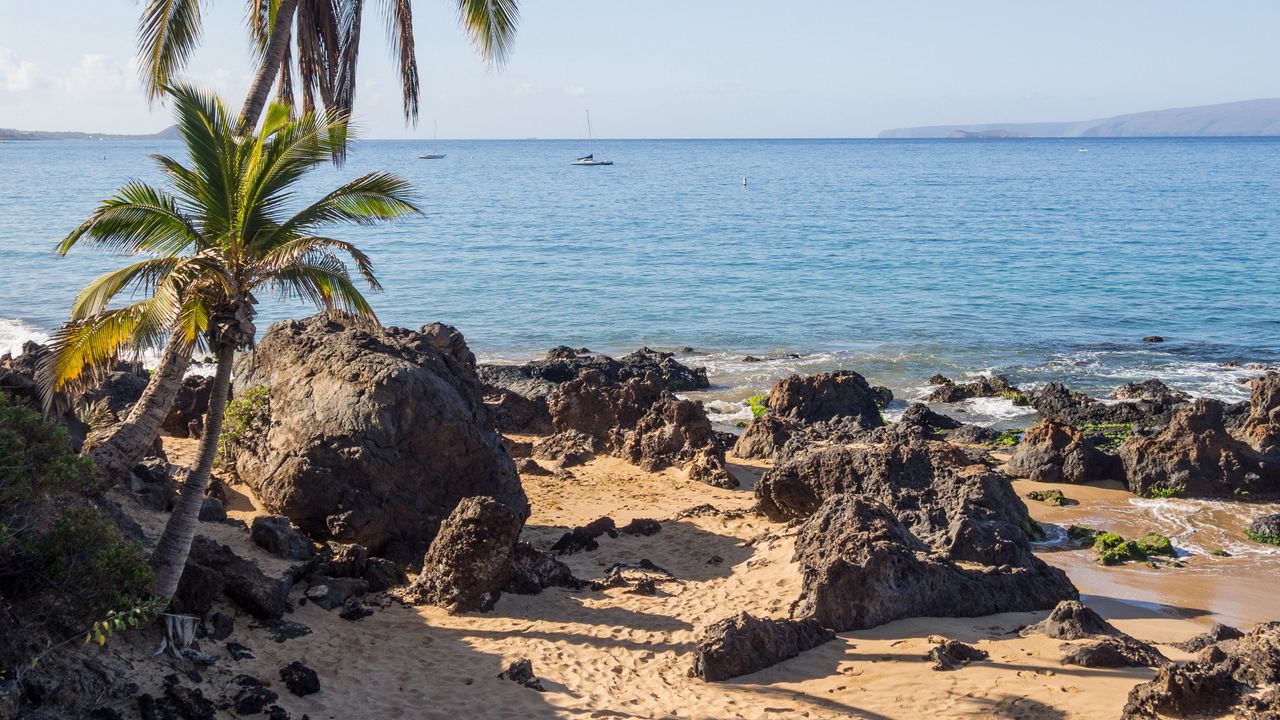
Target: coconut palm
{"points": [[325, 38], [211, 243], [326, 46]]}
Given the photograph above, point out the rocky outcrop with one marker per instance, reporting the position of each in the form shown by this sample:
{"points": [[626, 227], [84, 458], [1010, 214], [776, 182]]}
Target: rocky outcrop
{"points": [[920, 414], [1266, 529], [1261, 429], [948, 391], [1071, 620], [1234, 678], [1053, 452], [536, 380], [973, 435], [274, 534], [214, 569], [764, 436], [1121, 651], [862, 567], [1152, 391], [368, 435], [816, 398], [520, 672], [190, 405], [1062, 405], [533, 571], [638, 420], [955, 504], [1195, 456], [1215, 634], [744, 644], [470, 559], [953, 655]]}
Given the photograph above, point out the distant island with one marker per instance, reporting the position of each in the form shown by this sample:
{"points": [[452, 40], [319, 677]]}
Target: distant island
{"points": [[9, 134], [1247, 118], [983, 134]]}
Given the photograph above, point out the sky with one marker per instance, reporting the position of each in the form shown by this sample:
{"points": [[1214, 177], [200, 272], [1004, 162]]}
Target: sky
{"points": [[706, 68]]}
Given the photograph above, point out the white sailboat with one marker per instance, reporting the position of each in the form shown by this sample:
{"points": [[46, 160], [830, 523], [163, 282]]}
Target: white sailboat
{"points": [[590, 157], [433, 155]]}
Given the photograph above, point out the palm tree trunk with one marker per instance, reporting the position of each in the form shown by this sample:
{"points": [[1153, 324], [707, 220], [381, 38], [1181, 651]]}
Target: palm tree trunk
{"points": [[272, 58], [170, 556], [128, 442]]}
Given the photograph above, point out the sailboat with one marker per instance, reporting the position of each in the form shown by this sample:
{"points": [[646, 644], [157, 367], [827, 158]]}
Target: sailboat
{"points": [[590, 157], [433, 155]]}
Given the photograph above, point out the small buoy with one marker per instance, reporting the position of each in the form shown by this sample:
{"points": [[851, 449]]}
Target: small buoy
{"points": [[744, 181]]}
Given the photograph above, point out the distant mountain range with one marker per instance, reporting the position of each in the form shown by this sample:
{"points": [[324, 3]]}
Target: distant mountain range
{"points": [[169, 133], [1247, 118]]}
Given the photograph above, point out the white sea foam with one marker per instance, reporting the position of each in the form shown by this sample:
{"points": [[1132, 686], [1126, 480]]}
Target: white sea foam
{"points": [[13, 333]]}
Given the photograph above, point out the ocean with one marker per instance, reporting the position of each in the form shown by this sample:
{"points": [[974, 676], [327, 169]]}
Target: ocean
{"points": [[1042, 259]]}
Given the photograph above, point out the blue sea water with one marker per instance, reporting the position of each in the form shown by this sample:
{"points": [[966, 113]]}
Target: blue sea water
{"points": [[896, 258]]}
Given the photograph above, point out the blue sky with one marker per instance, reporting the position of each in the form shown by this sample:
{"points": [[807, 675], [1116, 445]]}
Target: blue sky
{"points": [[707, 68]]}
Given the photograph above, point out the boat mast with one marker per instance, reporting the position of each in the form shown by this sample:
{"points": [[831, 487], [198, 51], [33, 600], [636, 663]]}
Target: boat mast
{"points": [[589, 137], [435, 125]]}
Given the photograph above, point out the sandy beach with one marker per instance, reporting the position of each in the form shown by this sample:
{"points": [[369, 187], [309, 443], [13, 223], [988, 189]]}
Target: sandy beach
{"points": [[613, 654]]}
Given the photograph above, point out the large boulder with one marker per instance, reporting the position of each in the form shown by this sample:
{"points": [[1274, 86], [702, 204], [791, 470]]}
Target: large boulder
{"points": [[470, 559], [536, 379], [764, 436], [743, 644], [862, 567], [946, 498], [1234, 678], [1071, 620], [1053, 452], [1195, 456], [677, 433], [368, 435], [814, 398]]}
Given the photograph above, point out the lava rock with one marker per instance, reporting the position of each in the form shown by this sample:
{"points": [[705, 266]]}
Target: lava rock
{"points": [[300, 679], [213, 565], [744, 644], [1213, 636], [816, 398], [583, 538], [277, 536], [764, 436], [1053, 452], [1114, 652], [470, 560], [1071, 620], [521, 673], [532, 571], [953, 655]]}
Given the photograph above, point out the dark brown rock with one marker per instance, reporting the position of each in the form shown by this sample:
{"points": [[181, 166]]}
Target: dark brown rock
{"points": [[1053, 452], [1195, 456], [521, 673], [1213, 636], [744, 644], [861, 568], [300, 679], [470, 560], [1151, 390], [190, 405], [955, 504], [567, 448], [951, 392], [953, 655], [1120, 651], [369, 435], [764, 436], [1071, 620], [532, 571], [815, 398], [277, 536], [242, 581]]}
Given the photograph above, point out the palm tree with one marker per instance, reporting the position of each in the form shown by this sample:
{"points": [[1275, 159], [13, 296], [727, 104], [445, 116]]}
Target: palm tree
{"points": [[212, 242], [327, 47], [326, 44]]}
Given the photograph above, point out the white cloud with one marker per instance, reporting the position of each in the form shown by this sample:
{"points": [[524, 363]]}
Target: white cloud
{"points": [[95, 75], [15, 75], [575, 91]]}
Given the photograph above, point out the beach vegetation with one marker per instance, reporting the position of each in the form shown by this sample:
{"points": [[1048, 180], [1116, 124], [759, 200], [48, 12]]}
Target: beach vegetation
{"points": [[1262, 537], [211, 242], [1107, 436], [1156, 544], [238, 417], [1050, 497], [1008, 438], [1126, 551], [1165, 491], [758, 404], [1017, 397]]}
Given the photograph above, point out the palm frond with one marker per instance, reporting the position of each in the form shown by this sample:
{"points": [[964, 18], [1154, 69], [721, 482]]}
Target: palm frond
{"points": [[305, 249], [369, 199], [326, 285], [399, 18], [208, 131], [491, 24], [140, 218], [168, 32], [146, 275]]}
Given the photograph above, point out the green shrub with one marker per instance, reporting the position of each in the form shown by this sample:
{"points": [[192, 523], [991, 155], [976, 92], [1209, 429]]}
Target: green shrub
{"points": [[58, 555], [1107, 541], [1017, 397], [758, 405], [238, 417]]}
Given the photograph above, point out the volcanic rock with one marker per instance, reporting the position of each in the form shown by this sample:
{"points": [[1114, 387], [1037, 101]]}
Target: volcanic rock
{"points": [[274, 534], [470, 560], [764, 436], [815, 398], [1053, 452], [744, 644]]}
